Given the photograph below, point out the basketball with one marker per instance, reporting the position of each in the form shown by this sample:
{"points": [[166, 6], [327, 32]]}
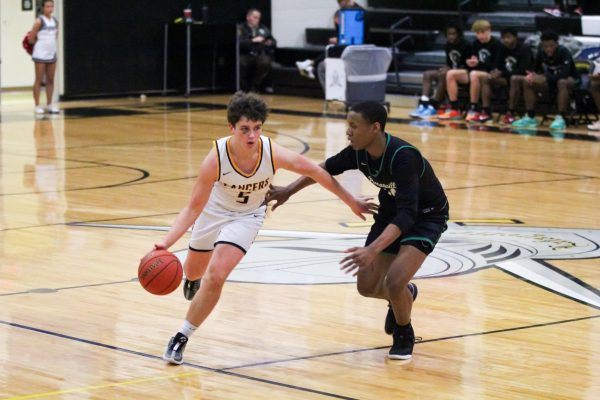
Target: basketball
{"points": [[160, 272]]}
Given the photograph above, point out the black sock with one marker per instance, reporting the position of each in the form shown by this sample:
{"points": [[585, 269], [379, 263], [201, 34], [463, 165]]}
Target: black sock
{"points": [[531, 113], [487, 110], [454, 105], [434, 104], [472, 106]]}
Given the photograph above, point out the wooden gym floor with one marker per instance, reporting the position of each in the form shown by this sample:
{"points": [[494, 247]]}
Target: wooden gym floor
{"points": [[508, 303]]}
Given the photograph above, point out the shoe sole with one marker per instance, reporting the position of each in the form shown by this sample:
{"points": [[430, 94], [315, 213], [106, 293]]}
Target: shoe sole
{"points": [[171, 360], [399, 357]]}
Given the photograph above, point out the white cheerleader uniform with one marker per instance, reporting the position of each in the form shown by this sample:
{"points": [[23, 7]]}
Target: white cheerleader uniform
{"points": [[235, 210], [44, 49]]}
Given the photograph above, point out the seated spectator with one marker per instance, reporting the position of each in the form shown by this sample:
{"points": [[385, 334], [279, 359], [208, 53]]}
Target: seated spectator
{"points": [[514, 60], [307, 67], [256, 52], [595, 89], [457, 49], [553, 74], [484, 51]]}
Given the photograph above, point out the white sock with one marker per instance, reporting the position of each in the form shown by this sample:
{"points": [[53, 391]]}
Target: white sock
{"points": [[187, 329], [424, 98]]}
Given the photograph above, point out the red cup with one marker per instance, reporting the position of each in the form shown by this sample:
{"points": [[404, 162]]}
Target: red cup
{"points": [[187, 14]]}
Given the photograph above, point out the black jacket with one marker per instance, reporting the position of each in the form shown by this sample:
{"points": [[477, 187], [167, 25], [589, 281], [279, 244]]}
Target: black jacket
{"points": [[247, 47], [559, 66]]}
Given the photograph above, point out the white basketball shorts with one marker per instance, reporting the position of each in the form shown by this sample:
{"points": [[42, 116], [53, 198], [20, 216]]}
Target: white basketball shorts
{"points": [[215, 226]]}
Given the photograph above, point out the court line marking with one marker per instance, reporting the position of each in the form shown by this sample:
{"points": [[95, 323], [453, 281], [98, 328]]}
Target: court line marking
{"points": [[104, 386], [419, 342], [228, 370], [197, 366]]}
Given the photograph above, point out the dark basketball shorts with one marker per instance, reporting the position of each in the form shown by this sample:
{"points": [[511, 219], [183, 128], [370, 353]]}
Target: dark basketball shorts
{"points": [[423, 235]]}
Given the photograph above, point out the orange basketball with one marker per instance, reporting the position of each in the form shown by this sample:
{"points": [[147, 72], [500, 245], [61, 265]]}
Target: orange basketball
{"points": [[160, 272]]}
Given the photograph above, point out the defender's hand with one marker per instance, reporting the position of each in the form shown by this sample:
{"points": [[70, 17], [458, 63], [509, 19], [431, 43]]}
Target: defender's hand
{"points": [[279, 194]]}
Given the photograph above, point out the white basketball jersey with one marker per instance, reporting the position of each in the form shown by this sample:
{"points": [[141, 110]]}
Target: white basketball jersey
{"points": [[235, 190], [44, 49]]}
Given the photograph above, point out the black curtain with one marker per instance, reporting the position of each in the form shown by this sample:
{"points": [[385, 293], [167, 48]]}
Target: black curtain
{"points": [[115, 47]]}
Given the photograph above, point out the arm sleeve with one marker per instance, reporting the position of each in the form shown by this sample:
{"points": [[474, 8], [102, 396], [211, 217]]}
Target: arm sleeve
{"points": [[342, 161], [245, 40], [406, 169]]}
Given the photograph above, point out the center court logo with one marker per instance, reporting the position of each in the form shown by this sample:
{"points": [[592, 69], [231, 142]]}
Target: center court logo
{"points": [[309, 258], [292, 257]]}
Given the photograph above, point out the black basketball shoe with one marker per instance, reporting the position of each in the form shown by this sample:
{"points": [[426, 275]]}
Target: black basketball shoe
{"points": [[390, 319], [190, 288], [404, 341], [174, 350]]}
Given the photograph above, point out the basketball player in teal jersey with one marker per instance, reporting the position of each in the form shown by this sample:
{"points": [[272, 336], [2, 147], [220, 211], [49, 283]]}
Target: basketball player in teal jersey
{"points": [[413, 210], [227, 208]]}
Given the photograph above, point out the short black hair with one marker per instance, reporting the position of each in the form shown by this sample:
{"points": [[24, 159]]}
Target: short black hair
{"points": [[247, 105], [372, 112], [512, 31], [251, 10], [549, 35], [456, 26]]}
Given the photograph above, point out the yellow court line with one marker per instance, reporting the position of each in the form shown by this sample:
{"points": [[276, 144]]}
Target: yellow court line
{"points": [[107, 385]]}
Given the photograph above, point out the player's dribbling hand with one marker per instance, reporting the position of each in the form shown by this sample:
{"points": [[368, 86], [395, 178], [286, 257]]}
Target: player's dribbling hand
{"points": [[277, 193], [359, 257], [157, 246]]}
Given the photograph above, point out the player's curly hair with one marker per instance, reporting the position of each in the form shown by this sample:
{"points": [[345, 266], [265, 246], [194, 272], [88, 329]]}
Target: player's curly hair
{"points": [[247, 105]]}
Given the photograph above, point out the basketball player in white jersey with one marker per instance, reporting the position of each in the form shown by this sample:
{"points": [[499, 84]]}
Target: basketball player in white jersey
{"points": [[228, 207], [43, 36]]}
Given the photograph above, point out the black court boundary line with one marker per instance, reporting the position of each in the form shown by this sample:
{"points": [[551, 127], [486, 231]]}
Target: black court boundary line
{"points": [[144, 174], [460, 124], [196, 366], [418, 342], [227, 370]]}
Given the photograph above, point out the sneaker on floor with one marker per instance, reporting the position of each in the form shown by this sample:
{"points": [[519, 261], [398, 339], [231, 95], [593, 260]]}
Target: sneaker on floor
{"points": [[525, 122], [507, 119], [473, 116], [404, 341], [451, 115], [558, 123], [428, 112], [484, 117], [595, 126], [39, 110], [174, 350], [306, 68], [390, 319], [555, 12], [417, 111], [190, 288], [53, 109]]}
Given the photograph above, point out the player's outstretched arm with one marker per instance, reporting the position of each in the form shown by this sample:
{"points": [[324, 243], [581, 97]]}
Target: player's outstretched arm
{"points": [[291, 161], [200, 194]]}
